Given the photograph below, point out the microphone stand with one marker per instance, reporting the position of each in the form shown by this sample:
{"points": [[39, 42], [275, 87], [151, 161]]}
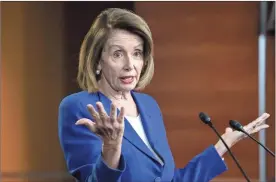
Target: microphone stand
{"points": [[269, 151], [230, 152]]}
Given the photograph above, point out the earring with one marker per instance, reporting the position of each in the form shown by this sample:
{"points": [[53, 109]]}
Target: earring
{"points": [[98, 72]]}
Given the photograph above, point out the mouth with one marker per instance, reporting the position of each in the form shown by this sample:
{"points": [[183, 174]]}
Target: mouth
{"points": [[127, 79]]}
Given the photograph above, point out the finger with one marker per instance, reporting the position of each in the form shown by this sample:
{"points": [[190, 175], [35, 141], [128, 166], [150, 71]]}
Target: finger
{"points": [[102, 112], [228, 129], [265, 115], [88, 123], [121, 115], [93, 112], [259, 128], [261, 119], [113, 113]]}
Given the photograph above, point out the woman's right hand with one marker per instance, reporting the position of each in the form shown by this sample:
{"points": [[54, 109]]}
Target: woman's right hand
{"points": [[109, 128]]}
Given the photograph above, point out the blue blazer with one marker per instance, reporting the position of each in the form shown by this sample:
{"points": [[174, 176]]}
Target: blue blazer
{"points": [[82, 148]]}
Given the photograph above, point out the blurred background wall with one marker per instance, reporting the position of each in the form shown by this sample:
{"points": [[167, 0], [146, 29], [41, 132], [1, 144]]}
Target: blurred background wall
{"points": [[206, 57]]}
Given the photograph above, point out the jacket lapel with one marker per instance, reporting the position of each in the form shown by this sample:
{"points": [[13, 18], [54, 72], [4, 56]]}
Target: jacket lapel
{"points": [[148, 124], [129, 133]]}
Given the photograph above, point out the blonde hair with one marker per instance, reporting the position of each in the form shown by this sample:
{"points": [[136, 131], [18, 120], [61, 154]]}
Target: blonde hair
{"points": [[95, 39]]}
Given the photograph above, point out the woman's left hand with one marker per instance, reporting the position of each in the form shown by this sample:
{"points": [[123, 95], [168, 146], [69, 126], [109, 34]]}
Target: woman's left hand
{"points": [[231, 136]]}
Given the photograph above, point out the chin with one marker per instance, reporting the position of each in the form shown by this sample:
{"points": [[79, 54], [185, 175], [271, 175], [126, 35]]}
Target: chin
{"points": [[127, 87]]}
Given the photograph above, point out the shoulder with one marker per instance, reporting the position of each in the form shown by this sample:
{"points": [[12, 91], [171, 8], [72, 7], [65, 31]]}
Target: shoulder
{"points": [[76, 99], [73, 107], [146, 98]]}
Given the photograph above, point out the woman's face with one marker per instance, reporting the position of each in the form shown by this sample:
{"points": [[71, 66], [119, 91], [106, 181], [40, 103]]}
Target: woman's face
{"points": [[122, 60]]}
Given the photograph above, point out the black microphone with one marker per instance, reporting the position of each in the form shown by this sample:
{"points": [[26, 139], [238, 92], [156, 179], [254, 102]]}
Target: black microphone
{"points": [[207, 120], [237, 126]]}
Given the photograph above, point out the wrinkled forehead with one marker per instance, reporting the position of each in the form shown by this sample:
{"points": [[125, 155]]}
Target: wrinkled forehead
{"points": [[123, 39]]}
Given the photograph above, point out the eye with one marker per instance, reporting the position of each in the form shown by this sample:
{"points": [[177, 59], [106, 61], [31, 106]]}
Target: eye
{"points": [[117, 54], [138, 53]]}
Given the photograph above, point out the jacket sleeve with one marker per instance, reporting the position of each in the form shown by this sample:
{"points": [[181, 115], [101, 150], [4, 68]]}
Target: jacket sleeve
{"points": [[82, 148], [203, 167]]}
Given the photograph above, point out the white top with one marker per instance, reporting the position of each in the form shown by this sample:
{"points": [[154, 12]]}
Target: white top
{"points": [[136, 124]]}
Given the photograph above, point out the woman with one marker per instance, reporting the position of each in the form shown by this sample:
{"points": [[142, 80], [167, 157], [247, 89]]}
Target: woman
{"points": [[111, 133]]}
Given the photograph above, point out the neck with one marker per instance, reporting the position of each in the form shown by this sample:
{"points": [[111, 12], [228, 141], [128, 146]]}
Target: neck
{"points": [[111, 93]]}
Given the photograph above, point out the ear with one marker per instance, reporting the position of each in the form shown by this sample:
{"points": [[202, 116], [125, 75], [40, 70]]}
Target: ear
{"points": [[100, 62], [99, 66]]}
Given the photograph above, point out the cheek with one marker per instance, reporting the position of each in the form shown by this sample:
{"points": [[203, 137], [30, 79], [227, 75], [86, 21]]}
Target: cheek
{"points": [[140, 66], [112, 70], [113, 74]]}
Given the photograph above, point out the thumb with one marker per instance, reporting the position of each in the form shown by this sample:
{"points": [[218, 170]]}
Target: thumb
{"points": [[88, 123]]}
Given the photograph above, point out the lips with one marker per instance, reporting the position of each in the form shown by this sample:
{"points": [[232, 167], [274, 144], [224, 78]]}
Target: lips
{"points": [[127, 79]]}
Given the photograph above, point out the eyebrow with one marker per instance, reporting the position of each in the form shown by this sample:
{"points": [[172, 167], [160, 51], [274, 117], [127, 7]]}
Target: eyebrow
{"points": [[116, 45]]}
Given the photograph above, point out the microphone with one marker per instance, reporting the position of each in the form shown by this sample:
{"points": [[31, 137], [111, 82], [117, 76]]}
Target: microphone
{"points": [[237, 126], [207, 120]]}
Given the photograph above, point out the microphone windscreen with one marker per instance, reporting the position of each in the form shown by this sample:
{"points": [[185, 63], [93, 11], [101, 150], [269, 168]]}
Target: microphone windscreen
{"points": [[204, 117], [235, 125]]}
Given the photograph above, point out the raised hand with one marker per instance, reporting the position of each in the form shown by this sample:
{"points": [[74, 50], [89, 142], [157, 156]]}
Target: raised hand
{"points": [[257, 125], [231, 136], [109, 128]]}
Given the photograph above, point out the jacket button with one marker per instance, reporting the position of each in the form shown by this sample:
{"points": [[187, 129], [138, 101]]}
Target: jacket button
{"points": [[158, 179]]}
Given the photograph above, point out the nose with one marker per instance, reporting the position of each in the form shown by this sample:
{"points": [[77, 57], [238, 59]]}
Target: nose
{"points": [[129, 63]]}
